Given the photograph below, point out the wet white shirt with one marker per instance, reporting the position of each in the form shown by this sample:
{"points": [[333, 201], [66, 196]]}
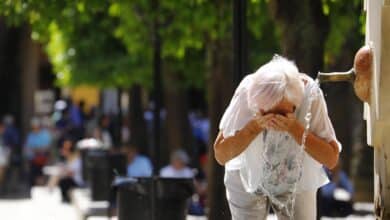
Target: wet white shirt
{"points": [[313, 175]]}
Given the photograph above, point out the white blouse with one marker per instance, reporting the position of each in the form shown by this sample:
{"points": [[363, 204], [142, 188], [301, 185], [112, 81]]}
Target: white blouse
{"points": [[313, 176]]}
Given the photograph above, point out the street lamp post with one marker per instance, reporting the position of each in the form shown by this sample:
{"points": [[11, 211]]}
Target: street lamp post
{"points": [[240, 54]]}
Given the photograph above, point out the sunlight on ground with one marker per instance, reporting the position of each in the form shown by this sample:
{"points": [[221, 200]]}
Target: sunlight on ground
{"points": [[46, 205], [352, 217], [30, 209]]}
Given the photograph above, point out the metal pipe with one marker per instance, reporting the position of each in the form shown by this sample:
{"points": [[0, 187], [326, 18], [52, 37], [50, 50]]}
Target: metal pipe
{"points": [[348, 76]]}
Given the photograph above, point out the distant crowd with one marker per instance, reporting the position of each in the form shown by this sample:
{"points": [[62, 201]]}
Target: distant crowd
{"points": [[52, 141]]}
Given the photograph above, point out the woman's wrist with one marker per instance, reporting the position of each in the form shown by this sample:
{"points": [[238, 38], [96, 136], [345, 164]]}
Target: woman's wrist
{"points": [[254, 127], [296, 131]]}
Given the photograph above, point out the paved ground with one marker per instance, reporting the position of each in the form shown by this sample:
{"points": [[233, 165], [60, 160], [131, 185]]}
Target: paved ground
{"points": [[352, 217], [46, 205], [29, 209], [41, 206], [49, 210]]}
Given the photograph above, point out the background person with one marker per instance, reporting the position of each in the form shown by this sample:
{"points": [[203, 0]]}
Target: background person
{"points": [[138, 165], [37, 151], [178, 166]]}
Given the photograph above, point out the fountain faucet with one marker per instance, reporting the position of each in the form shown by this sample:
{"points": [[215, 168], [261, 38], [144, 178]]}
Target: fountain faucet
{"points": [[348, 76], [360, 75]]}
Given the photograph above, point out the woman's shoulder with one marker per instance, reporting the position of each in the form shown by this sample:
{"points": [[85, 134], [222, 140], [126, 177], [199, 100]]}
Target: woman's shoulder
{"points": [[245, 82], [311, 85], [243, 86], [308, 81]]}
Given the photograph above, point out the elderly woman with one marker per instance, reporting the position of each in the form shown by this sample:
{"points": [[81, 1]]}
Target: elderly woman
{"points": [[274, 138]]}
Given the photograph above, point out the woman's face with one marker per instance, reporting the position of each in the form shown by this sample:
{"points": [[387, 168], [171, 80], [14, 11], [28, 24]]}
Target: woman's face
{"points": [[282, 108]]}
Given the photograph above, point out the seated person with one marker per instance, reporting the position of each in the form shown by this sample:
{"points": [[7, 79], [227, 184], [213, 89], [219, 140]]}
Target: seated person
{"points": [[178, 166], [70, 175], [138, 165], [37, 151], [336, 196]]}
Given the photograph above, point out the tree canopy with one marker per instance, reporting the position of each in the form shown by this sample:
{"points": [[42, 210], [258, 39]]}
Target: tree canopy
{"points": [[109, 43], [80, 39]]}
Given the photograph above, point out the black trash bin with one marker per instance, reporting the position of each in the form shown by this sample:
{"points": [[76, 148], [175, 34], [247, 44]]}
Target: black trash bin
{"points": [[165, 198], [134, 200], [84, 173], [173, 197], [97, 167], [99, 172], [85, 146]]}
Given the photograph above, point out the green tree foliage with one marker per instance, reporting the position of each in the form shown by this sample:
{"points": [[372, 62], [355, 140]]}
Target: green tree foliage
{"points": [[110, 42], [347, 28], [81, 41], [188, 28], [264, 36], [182, 29]]}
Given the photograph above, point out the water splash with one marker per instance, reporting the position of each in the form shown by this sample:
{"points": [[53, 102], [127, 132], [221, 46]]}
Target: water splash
{"points": [[285, 202], [308, 117], [317, 80]]}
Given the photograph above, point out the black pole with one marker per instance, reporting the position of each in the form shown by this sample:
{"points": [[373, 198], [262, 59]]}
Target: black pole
{"points": [[157, 89], [119, 119], [240, 54], [157, 104]]}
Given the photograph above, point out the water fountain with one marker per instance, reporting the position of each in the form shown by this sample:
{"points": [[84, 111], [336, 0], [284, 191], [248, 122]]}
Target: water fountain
{"points": [[360, 75]]}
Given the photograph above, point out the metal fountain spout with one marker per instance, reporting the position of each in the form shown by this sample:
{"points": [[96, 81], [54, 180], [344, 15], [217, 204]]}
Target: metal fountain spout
{"points": [[360, 75], [348, 76]]}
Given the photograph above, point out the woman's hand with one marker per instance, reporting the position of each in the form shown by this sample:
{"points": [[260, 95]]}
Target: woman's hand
{"points": [[283, 123], [324, 152], [226, 148], [262, 121]]}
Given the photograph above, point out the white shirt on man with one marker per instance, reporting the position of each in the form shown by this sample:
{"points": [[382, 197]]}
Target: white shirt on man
{"points": [[170, 172]]}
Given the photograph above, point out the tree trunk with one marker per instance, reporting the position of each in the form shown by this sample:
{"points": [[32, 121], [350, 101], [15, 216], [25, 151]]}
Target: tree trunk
{"points": [[178, 131], [10, 82], [220, 91], [137, 121], [304, 29], [29, 68]]}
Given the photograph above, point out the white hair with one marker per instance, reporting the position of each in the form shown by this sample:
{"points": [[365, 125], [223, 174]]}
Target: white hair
{"points": [[180, 155], [274, 81]]}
